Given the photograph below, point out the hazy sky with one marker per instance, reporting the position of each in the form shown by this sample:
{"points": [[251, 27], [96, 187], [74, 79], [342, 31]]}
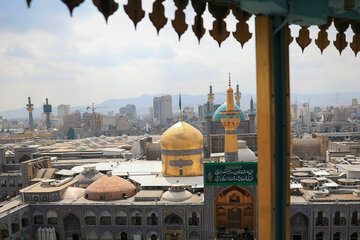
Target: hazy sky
{"points": [[79, 60]]}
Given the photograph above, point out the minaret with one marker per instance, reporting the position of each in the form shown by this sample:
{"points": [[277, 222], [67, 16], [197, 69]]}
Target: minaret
{"points": [[30, 109], [208, 116], [211, 97], [230, 120], [237, 95], [47, 111], [252, 115]]}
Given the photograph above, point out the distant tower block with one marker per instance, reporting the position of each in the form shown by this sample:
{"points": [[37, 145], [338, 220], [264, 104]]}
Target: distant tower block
{"points": [[230, 120], [237, 95], [47, 111], [252, 115], [30, 109]]}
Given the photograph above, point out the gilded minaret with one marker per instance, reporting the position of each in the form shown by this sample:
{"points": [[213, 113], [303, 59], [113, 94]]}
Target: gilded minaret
{"points": [[237, 95], [230, 120], [30, 109]]}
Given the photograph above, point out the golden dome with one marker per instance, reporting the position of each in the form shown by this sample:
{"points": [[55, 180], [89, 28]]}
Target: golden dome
{"points": [[182, 151], [181, 136]]}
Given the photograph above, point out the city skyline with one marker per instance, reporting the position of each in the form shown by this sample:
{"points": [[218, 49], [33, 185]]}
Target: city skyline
{"points": [[78, 57]]}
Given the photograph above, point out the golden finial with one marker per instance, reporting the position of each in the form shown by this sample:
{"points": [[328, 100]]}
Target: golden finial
{"points": [[229, 81]]}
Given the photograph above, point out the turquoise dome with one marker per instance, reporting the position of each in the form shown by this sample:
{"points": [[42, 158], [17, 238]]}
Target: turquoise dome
{"points": [[222, 108]]}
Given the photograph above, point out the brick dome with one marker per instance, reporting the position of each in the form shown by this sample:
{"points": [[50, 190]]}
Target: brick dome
{"points": [[110, 188]]}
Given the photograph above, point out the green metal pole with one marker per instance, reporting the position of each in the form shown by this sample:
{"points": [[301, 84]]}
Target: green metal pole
{"points": [[281, 83]]}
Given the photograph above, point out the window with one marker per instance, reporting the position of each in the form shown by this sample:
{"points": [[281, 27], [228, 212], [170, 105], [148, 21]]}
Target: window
{"points": [[338, 236], [15, 226], [136, 219], [52, 217], [123, 236], [321, 219], [355, 218], [55, 197], [120, 218], [35, 198], [4, 231], [173, 219], [90, 218], [339, 219], [25, 220], [38, 218], [355, 236], [44, 198], [105, 218], [319, 236], [153, 236], [102, 198], [152, 219], [194, 219]]}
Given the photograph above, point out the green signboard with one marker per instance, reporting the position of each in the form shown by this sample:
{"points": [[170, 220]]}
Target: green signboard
{"points": [[235, 173]]}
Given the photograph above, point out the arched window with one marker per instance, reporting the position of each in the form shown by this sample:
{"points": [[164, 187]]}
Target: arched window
{"points": [[194, 219], [136, 218], [120, 217], [25, 220], [90, 218], [194, 236], [355, 236], [173, 219], [299, 219], [321, 219], [4, 231], [152, 236], [105, 218], [52, 217], [338, 236], [38, 217], [339, 219], [15, 225], [355, 218], [320, 236], [106, 236], [152, 219], [91, 235], [122, 236]]}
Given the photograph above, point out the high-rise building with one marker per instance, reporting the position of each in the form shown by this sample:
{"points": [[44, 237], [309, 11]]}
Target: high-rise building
{"points": [[163, 109], [47, 110], [128, 111], [354, 102], [63, 109]]}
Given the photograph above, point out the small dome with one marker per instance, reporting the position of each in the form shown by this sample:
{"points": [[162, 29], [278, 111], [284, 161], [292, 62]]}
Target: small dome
{"points": [[88, 176], [222, 108], [244, 153], [176, 193], [181, 136], [72, 193], [109, 188]]}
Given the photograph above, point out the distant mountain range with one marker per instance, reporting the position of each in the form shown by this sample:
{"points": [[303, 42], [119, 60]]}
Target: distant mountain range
{"points": [[143, 103]]}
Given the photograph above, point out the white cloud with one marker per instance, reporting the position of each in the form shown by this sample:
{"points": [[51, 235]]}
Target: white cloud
{"points": [[91, 61]]}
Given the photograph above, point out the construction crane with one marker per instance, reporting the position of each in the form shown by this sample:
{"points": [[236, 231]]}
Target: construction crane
{"points": [[92, 107], [96, 121]]}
